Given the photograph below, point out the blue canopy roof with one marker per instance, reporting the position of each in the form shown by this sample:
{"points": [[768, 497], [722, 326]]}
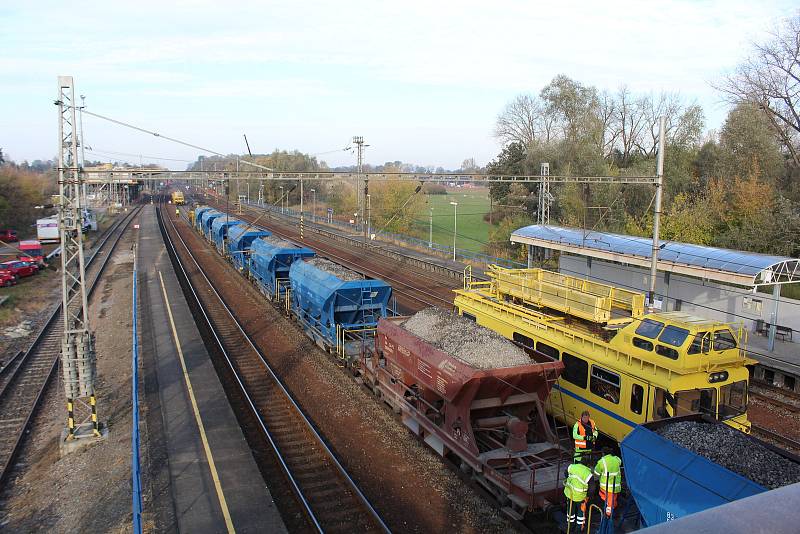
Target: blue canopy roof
{"points": [[746, 268]]}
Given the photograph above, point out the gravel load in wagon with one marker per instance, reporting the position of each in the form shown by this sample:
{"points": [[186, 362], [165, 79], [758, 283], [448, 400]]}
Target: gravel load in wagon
{"points": [[735, 451], [340, 272], [278, 242], [465, 340]]}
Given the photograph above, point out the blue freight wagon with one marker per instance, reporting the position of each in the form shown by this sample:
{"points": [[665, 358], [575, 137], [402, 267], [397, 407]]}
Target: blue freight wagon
{"points": [[337, 311], [270, 260], [668, 481], [198, 214], [206, 220], [219, 231], [240, 240]]}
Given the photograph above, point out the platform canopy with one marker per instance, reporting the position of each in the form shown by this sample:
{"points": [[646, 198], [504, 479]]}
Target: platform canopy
{"points": [[710, 263]]}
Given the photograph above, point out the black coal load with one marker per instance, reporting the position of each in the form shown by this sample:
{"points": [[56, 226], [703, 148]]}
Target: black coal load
{"points": [[733, 450]]}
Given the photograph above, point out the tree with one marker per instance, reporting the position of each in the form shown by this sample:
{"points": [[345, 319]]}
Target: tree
{"points": [[747, 137], [573, 107], [395, 206], [769, 80], [522, 121]]}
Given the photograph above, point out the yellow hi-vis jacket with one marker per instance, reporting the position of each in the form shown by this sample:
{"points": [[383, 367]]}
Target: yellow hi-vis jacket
{"points": [[609, 473], [577, 485]]}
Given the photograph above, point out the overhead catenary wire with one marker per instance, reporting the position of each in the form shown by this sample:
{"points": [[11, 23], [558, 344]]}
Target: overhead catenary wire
{"points": [[155, 134]]}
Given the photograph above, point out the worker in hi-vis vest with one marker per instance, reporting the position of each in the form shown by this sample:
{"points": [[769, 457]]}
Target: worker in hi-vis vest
{"points": [[585, 435], [576, 489], [609, 476]]}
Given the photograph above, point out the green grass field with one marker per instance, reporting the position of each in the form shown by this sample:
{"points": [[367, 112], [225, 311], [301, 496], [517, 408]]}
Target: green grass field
{"points": [[473, 231]]}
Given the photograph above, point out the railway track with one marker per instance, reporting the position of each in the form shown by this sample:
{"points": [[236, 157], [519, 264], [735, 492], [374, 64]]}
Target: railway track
{"points": [[328, 495], [768, 435], [437, 291], [25, 378]]}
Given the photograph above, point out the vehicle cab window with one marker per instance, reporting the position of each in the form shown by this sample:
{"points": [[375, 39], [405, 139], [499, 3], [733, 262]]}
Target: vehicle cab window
{"points": [[605, 384], [700, 344], [649, 328], [724, 340]]}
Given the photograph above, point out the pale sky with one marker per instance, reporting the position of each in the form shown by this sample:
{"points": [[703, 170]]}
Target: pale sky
{"points": [[422, 81]]}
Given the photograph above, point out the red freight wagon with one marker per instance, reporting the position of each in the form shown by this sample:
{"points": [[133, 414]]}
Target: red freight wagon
{"points": [[492, 419]]}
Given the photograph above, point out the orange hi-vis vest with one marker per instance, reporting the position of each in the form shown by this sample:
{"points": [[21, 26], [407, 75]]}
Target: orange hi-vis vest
{"points": [[579, 433]]}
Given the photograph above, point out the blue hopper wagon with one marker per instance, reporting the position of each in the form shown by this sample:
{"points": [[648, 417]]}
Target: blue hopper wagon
{"points": [[219, 231], [198, 213], [339, 312], [206, 220], [270, 260], [668, 481], [240, 240]]}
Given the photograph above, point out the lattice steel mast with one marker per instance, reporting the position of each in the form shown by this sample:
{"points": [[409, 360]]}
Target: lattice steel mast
{"points": [[78, 359]]}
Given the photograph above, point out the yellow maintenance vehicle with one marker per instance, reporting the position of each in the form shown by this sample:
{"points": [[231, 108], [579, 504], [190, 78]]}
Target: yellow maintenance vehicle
{"points": [[177, 198], [622, 364]]}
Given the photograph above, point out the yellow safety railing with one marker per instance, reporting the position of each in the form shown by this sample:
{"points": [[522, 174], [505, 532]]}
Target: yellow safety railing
{"points": [[599, 303]]}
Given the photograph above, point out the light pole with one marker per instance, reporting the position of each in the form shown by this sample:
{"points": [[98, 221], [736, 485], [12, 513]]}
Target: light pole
{"points": [[430, 227], [455, 227], [314, 205], [281, 188]]}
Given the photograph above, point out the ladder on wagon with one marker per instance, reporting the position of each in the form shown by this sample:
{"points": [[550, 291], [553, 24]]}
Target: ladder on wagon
{"points": [[367, 308], [556, 409]]}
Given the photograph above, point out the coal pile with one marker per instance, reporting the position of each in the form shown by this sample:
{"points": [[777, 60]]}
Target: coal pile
{"points": [[733, 450], [278, 242], [465, 340], [340, 272]]}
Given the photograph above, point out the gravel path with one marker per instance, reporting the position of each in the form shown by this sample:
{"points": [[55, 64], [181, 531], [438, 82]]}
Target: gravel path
{"points": [[465, 340], [339, 271], [735, 451]]}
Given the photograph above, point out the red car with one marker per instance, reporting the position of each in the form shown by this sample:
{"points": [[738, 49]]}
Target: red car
{"points": [[7, 279], [9, 236], [19, 269]]}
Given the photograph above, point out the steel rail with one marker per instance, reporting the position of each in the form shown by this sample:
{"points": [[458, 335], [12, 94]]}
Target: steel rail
{"points": [[774, 436], [342, 472], [50, 330]]}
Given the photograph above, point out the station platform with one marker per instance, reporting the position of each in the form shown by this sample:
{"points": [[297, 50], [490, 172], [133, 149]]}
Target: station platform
{"points": [[203, 473]]}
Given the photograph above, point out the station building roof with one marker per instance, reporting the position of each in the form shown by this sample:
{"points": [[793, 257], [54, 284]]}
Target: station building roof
{"points": [[710, 263]]}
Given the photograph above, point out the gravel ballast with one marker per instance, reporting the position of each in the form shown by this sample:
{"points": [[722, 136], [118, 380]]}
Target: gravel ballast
{"points": [[278, 242], [733, 450], [342, 273], [465, 340]]}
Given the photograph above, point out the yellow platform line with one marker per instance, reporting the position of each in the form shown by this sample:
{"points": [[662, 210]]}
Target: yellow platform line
{"points": [[211, 465]]}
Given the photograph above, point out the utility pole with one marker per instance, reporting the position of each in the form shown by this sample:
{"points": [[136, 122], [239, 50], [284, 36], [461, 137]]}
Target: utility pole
{"points": [[455, 227], [78, 358], [302, 221], [359, 142], [314, 205], [430, 227], [657, 212], [369, 217], [544, 195]]}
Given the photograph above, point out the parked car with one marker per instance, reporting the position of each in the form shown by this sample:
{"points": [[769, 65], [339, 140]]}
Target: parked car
{"points": [[19, 269], [7, 279], [9, 236]]}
